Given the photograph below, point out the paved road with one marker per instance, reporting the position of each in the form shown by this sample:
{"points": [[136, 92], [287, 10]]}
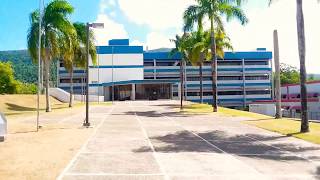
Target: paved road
{"points": [[148, 140]]}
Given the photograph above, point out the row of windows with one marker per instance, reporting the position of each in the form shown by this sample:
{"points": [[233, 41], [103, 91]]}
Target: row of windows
{"points": [[221, 78], [76, 80], [221, 63], [297, 96], [226, 93]]}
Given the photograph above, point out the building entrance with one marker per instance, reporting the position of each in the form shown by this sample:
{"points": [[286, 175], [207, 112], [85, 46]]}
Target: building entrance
{"points": [[153, 91]]}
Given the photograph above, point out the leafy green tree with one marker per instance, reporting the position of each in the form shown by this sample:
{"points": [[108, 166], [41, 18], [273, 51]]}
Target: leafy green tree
{"points": [[79, 53], [56, 35], [8, 85], [214, 10], [289, 74]]}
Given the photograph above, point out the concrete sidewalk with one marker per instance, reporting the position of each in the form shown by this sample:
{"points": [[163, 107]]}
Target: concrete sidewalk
{"points": [[148, 140]]}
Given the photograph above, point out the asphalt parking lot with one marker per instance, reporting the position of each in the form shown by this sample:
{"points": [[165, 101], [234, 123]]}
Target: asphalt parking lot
{"points": [[149, 140]]}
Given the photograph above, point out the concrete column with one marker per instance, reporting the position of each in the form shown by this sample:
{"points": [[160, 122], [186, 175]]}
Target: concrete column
{"points": [[133, 92]]}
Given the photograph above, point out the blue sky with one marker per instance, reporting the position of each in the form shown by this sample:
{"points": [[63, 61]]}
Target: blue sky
{"points": [[153, 22], [14, 20]]}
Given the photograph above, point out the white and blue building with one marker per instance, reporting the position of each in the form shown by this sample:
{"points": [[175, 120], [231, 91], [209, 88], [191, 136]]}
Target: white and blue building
{"points": [[132, 73]]}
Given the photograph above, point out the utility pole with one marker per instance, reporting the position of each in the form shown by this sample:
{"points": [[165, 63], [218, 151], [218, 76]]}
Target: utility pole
{"points": [[277, 74]]}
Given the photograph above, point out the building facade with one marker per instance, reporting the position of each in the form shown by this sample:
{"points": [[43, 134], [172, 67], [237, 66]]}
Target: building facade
{"points": [[291, 101], [132, 73]]}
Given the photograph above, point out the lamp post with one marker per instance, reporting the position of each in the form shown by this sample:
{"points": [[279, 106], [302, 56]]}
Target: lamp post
{"points": [[98, 26], [39, 65]]}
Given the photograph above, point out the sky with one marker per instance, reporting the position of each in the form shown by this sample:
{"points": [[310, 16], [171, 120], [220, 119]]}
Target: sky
{"points": [[152, 23]]}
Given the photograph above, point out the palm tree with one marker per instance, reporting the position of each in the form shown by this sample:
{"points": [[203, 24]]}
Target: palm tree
{"points": [[79, 56], [201, 51], [182, 45], [303, 74], [214, 10], [56, 32]]}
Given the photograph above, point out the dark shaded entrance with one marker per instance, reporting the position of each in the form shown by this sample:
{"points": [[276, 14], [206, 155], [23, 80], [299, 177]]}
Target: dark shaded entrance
{"points": [[153, 91]]}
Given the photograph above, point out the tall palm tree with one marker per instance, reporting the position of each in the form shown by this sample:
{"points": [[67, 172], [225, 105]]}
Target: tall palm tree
{"points": [[79, 56], [201, 51], [182, 45], [303, 73], [214, 10], [56, 32]]}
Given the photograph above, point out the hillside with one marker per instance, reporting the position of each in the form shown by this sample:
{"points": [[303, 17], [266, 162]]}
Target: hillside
{"points": [[24, 69]]}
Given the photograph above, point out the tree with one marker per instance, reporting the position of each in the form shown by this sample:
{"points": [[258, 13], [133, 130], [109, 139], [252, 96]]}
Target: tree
{"points": [[201, 50], [303, 73], [79, 56], [214, 10], [289, 74], [183, 45], [7, 82], [56, 31]]}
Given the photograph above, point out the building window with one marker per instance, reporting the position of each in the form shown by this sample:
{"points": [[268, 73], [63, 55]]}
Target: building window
{"points": [[229, 63], [165, 63], [76, 80], [206, 78], [262, 77], [230, 93], [256, 62], [258, 92], [148, 63], [229, 78], [168, 77]]}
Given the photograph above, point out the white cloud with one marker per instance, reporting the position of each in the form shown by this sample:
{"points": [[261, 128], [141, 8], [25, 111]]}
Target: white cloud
{"points": [[112, 30], [158, 40], [137, 43], [158, 14], [103, 5], [280, 16], [113, 14]]}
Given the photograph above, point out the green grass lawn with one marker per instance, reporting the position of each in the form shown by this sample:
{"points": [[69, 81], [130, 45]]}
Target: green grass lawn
{"points": [[27, 104], [285, 126]]}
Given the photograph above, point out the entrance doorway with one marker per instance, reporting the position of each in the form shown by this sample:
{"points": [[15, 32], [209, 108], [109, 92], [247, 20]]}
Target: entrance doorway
{"points": [[153, 91]]}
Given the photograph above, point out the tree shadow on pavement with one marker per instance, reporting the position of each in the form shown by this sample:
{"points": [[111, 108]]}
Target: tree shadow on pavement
{"points": [[239, 145], [156, 114]]}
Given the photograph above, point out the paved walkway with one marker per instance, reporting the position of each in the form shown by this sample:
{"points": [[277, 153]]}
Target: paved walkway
{"points": [[148, 140]]}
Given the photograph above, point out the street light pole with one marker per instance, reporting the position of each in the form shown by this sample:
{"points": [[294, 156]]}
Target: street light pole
{"points": [[87, 123], [93, 25], [39, 67]]}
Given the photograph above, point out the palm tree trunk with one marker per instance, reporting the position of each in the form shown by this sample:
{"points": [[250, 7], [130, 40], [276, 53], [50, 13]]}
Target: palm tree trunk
{"points": [[214, 68], [47, 76], [302, 54], [201, 77], [71, 87], [181, 84]]}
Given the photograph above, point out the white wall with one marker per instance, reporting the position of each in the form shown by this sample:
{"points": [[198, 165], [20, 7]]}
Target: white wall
{"points": [[107, 75]]}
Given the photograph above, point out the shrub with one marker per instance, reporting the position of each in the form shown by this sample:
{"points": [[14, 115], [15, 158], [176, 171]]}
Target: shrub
{"points": [[8, 85], [26, 88]]}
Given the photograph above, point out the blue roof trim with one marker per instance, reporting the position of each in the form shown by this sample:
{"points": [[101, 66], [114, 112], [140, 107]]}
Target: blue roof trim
{"points": [[118, 67], [119, 49], [254, 55], [161, 56], [119, 42]]}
